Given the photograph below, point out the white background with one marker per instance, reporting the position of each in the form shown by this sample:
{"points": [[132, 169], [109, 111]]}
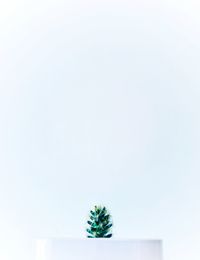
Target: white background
{"points": [[99, 103]]}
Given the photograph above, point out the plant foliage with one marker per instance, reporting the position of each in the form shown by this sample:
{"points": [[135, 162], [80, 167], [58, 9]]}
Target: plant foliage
{"points": [[99, 223]]}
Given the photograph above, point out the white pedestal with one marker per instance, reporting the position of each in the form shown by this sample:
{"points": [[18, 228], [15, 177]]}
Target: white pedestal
{"points": [[98, 249]]}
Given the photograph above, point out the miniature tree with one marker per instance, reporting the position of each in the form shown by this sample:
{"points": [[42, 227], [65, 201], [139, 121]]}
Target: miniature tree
{"points": [[99, 223]]}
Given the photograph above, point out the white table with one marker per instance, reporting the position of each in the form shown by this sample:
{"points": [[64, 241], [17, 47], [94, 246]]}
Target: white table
{"points": [[98, 249]]}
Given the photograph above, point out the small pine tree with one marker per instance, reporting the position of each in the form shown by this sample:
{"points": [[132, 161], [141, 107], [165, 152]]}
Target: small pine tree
{"points": [[100, 223]]}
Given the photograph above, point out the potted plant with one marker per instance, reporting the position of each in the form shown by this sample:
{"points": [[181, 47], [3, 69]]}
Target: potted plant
{"points": [[99, 225]]}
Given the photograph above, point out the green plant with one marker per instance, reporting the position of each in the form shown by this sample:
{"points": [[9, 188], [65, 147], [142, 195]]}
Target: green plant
{"points": [[99, 223]]}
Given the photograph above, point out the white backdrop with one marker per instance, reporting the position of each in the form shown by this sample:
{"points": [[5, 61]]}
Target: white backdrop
{"points": [[99, 103]]}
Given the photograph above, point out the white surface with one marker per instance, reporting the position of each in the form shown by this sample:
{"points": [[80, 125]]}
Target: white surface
{"points": [[98, 249], [100, 103]]}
